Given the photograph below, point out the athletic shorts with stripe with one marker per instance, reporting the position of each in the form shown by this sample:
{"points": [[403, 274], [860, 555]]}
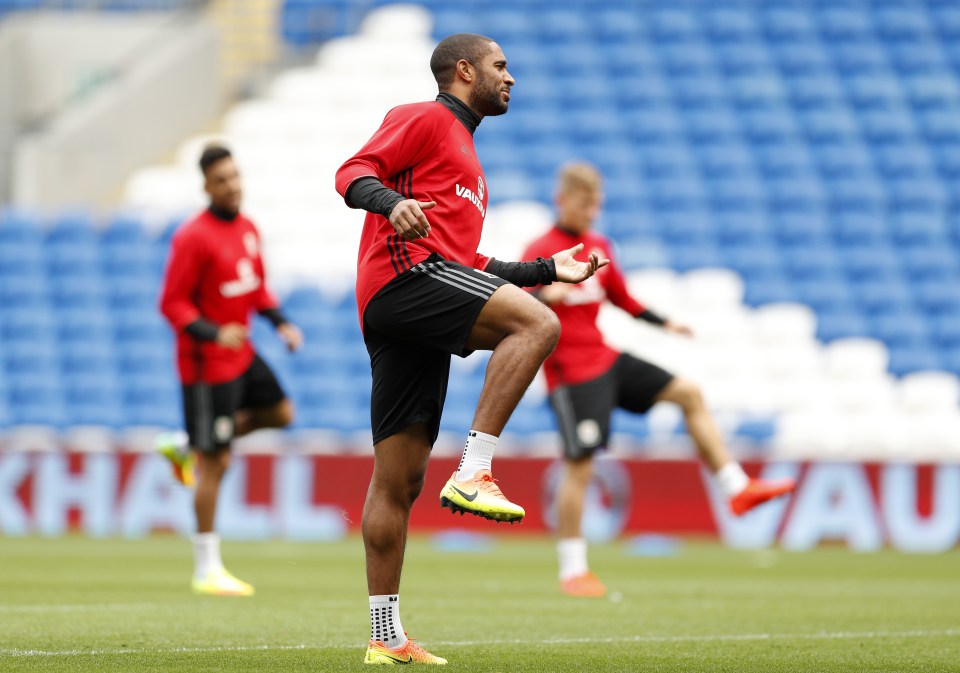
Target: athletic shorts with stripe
{"points": [[208, 409], [411, 328], [583, 410]]}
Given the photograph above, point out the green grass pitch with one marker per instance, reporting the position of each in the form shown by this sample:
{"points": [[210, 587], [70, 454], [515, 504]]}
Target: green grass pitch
{"points": [[74, 604]]}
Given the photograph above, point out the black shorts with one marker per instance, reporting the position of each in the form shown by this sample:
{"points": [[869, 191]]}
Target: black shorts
{"points": [[208, 409], [411, 328], [583, 410]]}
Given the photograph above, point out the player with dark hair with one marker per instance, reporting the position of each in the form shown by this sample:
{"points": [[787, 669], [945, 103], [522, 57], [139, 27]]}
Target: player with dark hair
{"points": [[424, 294], [214, 279], [587, 379]]}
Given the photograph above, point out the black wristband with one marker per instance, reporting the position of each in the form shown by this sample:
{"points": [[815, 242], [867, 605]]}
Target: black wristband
{"points": [[274, 315], [525, 274], [203, 329], [653, 318]]}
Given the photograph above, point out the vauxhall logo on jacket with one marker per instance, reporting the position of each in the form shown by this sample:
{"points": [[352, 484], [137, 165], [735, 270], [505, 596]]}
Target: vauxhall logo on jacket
{"points": [[476, 198]]}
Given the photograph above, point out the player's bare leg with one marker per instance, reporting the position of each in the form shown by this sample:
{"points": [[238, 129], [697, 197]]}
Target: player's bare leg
{"points": [[279, 415], [521, 332], [210, 577], [575, 576], [570, 496], [210, 470], [399, 468], [743, 493]]}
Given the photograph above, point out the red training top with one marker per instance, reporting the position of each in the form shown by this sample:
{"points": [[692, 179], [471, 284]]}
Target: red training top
{"points": [[581, 354], [424, 152], [215, 272]]}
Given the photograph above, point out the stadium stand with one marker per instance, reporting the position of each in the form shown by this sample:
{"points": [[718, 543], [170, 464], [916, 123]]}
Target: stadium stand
{"points": [[779, 174]]}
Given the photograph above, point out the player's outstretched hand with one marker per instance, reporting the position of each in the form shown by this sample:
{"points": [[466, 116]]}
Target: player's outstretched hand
{"points": [[678, 328], [569, 270], [291, 335], [232, 335], [408, 219]]}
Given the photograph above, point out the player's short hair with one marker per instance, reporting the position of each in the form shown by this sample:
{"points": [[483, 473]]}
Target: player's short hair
{"points": [[579, 176], [211, 155], [470, 47]]}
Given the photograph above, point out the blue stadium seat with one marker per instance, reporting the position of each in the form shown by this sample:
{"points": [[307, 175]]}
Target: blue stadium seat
{"points": [[882, 297], [793, 228], [735, 25], [945, 332], [24, 292], [36, 402], [812, 262], [936, 297], [692, 60], [931, 262], [841, 324], [27, 323], [81, 291], [871, 263], [563, 25], [31, 360], [901, 330], [852, 229], [850, 160], [770, 291], [709, 127], [824, 295], [801, 58], [909, 359], [902, 24], [872, 91], [673, 24], [73, 227], [617, 25], [787, 25], [85, 359]]}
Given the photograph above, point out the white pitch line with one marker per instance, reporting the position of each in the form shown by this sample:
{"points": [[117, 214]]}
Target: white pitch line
{"points": [[727, 637]]}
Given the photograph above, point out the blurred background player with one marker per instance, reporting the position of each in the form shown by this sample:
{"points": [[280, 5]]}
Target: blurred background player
{"points": [[214, 279], [587, 379], [424, 293]]}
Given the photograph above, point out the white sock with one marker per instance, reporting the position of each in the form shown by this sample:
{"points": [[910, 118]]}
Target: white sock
{"points": [[385, 621], [477, 454], [206, 554], [731, 479], [572, 552]]}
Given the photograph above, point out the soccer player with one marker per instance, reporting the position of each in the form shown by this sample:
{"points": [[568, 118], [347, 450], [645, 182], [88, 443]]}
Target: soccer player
{"points": [[587, 379], [424, 294], [214, 279]]}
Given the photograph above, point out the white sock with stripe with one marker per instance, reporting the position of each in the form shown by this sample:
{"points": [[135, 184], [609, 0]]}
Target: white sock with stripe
{"points": [[206, 554], [572, 553], [731, 479], [477, 455], [385, 623]]}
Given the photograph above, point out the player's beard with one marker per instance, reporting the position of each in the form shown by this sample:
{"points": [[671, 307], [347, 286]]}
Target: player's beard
{"points": [[485, 97]]}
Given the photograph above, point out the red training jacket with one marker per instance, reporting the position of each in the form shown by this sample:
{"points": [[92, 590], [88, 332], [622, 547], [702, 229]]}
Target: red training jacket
{"points": [[215, 272], [422, 151], [581, 354]]}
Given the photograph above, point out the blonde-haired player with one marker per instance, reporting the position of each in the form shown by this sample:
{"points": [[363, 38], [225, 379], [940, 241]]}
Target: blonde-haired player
{"points": [[587, 379]]}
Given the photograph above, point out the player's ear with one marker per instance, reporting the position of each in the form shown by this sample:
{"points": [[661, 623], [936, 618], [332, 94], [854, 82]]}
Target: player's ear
{"points": [[465, 70]]}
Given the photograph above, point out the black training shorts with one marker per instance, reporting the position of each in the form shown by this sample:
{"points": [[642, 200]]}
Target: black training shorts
{"points": [[583, 410], [411, 328], [208, 409]]}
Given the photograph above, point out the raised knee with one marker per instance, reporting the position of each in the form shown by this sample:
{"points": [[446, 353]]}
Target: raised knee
{"points": [[285, 414], [549, 328], [689, 395]]}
